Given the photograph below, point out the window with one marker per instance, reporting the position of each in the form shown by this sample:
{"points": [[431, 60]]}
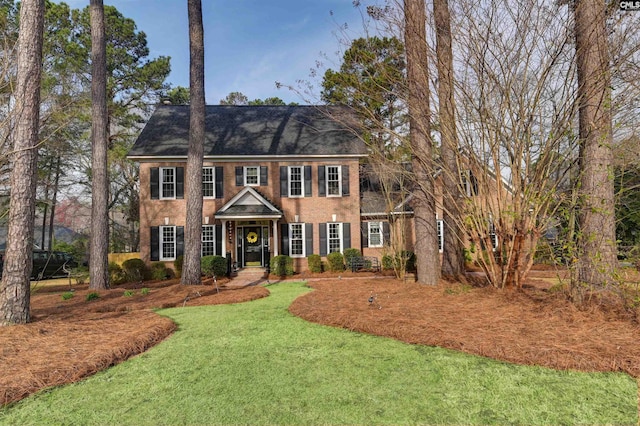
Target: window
{"points": [[168, 182], [440, 226], [296, 240], [333, 181], [208, 182], [208, 240], [251, 176], [469, 183], [334, 237], [492, 235], [375, 234], [167, 243], [295, 181]]}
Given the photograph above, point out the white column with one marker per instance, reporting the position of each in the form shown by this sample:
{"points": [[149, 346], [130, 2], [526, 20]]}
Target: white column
{"points": [[224, 238], [275, 237]]}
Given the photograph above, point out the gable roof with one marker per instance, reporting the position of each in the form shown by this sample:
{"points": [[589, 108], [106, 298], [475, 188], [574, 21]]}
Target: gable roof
{"points": [[248, 204], [256, 131]]}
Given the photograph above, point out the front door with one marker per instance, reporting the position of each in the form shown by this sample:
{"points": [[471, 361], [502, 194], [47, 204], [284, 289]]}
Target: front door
{"points": [[252, 243]]}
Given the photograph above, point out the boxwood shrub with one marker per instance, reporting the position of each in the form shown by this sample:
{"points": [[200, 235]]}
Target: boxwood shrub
{"points": [[314, 262], [213, 266], [335, 261], [135, 270], [281, 265]]}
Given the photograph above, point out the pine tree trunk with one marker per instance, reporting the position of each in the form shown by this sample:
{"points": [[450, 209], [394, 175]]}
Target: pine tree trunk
{"points": [[452, 258], [426, 246], [597, 241], [98, 266], [15, 287], [191, 270]]}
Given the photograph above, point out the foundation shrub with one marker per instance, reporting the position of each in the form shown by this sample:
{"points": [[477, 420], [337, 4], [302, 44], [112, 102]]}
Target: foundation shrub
{"points": [[335, 261], [135, 270], [281, 265], [314, 262], [213, 266], [349, 255], [394, 262], [177, 266], [116, 273], [159, 271]]}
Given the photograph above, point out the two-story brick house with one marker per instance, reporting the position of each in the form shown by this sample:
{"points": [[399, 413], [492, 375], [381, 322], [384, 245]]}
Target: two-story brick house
{"points": [[276, 180]]}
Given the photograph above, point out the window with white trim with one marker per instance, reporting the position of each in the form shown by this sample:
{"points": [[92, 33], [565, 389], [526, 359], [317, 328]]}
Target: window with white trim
{"points": [[334, 181], [334, 237], [440, 226], [296, 240], [375, 234], [208, 240], [251, 176], [167, 182], [295, 181], [208, 182], [167, 243]]}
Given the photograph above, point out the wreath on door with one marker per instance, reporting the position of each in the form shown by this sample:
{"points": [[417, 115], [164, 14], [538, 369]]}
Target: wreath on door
{"points": [[252, 237]]}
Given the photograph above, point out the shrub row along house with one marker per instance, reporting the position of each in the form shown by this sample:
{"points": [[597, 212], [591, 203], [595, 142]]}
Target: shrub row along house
{"points": [[276, 180]]}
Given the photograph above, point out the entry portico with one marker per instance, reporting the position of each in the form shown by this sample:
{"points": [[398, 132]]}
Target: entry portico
{"points": [[247, 219]]}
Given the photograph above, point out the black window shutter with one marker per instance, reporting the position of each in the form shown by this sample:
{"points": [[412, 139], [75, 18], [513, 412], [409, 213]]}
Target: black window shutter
{"points": [[264, 176], [180, 182], [155, 243], [364, 230], [386, 233], [345, 180], [346, 235], [308, 236], [218, 242], [322, 228], [307, 181], [219, 171], [239, 176], [284, 182], [179, 240], [322, 186], [155, 183], [284, 230]]}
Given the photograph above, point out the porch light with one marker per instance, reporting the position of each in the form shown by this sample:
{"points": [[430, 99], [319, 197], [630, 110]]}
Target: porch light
{"points": [[166, 220]]}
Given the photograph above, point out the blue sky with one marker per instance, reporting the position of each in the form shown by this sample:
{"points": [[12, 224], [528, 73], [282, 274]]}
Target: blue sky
{"points": [[249, 44]]}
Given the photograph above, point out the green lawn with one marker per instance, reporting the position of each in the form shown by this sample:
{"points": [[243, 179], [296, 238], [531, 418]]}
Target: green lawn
{"points": [[254, 363]]}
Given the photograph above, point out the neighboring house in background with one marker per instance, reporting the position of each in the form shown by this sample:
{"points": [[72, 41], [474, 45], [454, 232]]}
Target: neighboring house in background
{"points": [[276, 180]]}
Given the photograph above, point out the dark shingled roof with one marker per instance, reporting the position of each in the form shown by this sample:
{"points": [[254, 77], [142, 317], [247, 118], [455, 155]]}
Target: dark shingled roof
{"points": [[253, 131]]}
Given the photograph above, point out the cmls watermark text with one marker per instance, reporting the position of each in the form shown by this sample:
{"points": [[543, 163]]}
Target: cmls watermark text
{"points": [[630, 5]]}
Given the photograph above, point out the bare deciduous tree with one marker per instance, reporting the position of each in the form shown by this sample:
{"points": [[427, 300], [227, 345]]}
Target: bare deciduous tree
{"points": [[15, 287], [191, 267]]}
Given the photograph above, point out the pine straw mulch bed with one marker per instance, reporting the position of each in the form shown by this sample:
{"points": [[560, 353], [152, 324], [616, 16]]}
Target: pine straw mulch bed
{"points": [[68, 340], [533, 326]]}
